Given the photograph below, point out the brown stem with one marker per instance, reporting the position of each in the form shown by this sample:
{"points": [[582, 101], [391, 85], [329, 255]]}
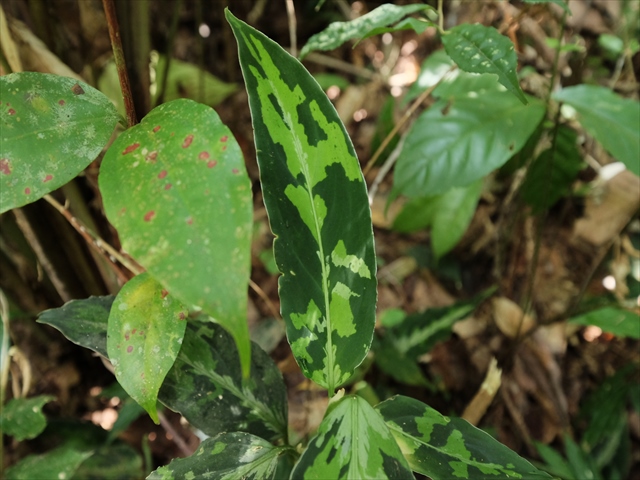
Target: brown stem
{"points": [[118, 56]]}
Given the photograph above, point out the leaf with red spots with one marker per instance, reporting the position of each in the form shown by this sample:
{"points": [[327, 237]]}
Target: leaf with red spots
{"points": [[144, 334], [51, 128], [188, 215]]}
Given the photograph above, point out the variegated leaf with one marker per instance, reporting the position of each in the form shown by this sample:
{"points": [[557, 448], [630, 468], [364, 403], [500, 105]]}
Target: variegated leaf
{"points": [[317, 204], [444, 448], [352, 442]]}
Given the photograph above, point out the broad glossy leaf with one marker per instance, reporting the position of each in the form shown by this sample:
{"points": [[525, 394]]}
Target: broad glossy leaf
{"points": [[352, 442], [212, 399], [444, 448], [51, 128], [618, 321], [318, 209], [231, 456], [61, 462], [340, 32], [205, 385], [612, 120], [176, 188], [22, 418], [480, 49], [456, 142], [550, 177], [144, 334], [448, 215], [84, 322]]}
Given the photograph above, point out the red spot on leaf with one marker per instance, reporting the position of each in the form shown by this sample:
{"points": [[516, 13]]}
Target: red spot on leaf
{"points": [[151, 157], [61, 102], [168, 186], [122, 210], [48, 178], [187, 141], [131, 148], [77, 89], [126, 336], [164, 293], [27, 191], [224, 147], [156, 128], [141, 332], [212, 163], [224, 139], [130, 349], [189, 221], [133, 332], [204, 156], [235, 171], [12, 111], [149, 215], [162, 174], [5, 166], [182, 316]]}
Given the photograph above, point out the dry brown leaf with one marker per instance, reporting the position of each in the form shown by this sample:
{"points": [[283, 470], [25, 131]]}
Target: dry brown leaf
{"points": [[510, 318]]}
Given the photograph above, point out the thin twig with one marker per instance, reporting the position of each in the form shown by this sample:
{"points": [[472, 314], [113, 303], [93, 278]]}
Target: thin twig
{"points": [[389, 162], [118, 57], [162, 83], [402, 121], [293, 38], [177, 439], [337, 64], [256, 288], [95, 241]]}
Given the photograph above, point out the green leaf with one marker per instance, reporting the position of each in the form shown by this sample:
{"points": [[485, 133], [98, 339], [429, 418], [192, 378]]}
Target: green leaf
{"points": [[432, 70], [612, 120], [448, 215], [144, 334], [444, 448], [116, 461], [417, 25], [51, 128], [550, 177], [456, 142], [22, 418], [205, 385], [318, 209], [562, 3], [555, 463], [231, 456], [176, 188], [581, 466], [59, 463], [618, 321], [84, 322], [480, 49], [352, 442], [398, 365], [340, 32]]}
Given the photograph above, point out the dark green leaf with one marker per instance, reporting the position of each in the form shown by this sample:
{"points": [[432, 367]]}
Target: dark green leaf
{"points": [[176, 189], [480, 49], [318, 209], [84, 322], [448, 215], [555, 463], [457, 142], [418, 26], [550, 177], [612, 120], [144, 334], [56, 464], [618, 321], [340, 32], [22, 418], [581, 466], [386, 122], [117, 461], [205, 385], [444, 448], [562, 3], [51, 128], [231, 456], [398, 365], [352, 442]]}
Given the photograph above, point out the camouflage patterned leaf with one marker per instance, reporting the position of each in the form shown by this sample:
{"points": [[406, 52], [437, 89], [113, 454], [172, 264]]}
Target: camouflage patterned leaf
{"points": [[22, 418], [318, 209], [144, 334], [444, 448], [480, 49], [61, 462], [51, 128], [352, 442], [231, 456], [176, 189], [340, 32]]}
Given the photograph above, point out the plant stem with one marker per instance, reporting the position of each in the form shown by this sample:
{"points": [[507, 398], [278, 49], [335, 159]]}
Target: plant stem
{"points": [[162, 82], [556, 59], [118, 56], [4, 362], [441, 16], [94, 240], [291, 16]]}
